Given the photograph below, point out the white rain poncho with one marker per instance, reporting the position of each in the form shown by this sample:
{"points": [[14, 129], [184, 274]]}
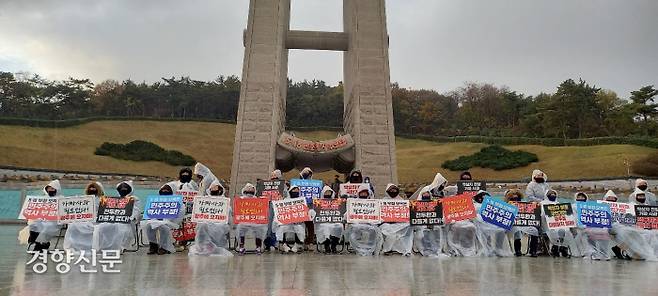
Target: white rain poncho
{"points": [[398, 237], [258, 230], [286, 232], [364, 239], [558, 237], [537, 191], [158, 231], [430, 240], [462, 238], [324, 231], [635, 241], [212, 239], [651, 198], [208, 176], [519, 231], [118, 236], [79, 235], [492, 240], [47, 229]]}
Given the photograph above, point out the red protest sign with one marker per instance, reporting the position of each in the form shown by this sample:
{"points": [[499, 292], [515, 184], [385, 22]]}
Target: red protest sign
{"points": [[458, 208], [291, 210], [40, 207], [395, 210], [250, 210]]}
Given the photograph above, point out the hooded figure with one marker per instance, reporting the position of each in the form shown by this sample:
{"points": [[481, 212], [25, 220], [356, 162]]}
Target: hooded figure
{"points": [[610, 196], [429, 240], [492, 240], [438, 186], [465, 176], [644, 186], [42, 231], [259, 230], [270, 240], [204, 175], [284, 231], [118, 236], [365, 239], [79, 235], [592, 243], [212, 238], [355, 177], [562, 241], [636, 243], [462, 238], [158, 231], [537, 187], [398, 237], [518, 232], [328, 234], [306, 173]]}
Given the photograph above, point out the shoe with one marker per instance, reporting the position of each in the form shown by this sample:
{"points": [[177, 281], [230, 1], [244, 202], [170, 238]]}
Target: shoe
{"points": [[555, 251], [517, 248], [162, 251], [564, 251], [241, 251], [180, 248], [533, 255], [327, 247], [258, 251], [284, 248], [153, 249], [294, 248]]}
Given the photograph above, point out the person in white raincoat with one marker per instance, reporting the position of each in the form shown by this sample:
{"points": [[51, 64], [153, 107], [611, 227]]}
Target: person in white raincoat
{"points": [[259, 230], [398, 237], [204, 176], [592, 243], [118, 236], [538, 186], [79, 235], [462, 238], [42, 231], [158, 231], [365, 239], [429, 240], [492, 240], [561, 239], [519, 231], [634, 241], [212, 238], [328, 234], [644, 186], [284, 231]]}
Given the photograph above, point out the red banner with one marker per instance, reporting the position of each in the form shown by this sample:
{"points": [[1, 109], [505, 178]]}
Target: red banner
{"points": [[458, 208], [40, 207], [250, 210], [395, 210]]}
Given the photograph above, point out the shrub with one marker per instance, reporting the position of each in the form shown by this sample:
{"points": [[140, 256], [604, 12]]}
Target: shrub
{"points": [[494, 157], [647, 166], [144, 151]]}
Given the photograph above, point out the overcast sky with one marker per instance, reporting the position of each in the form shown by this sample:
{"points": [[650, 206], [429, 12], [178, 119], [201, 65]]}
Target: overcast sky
{"points": [[529, 46]]}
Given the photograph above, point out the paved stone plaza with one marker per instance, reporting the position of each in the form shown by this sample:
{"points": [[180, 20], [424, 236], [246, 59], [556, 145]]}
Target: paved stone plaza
{"points": [[314, 274]]}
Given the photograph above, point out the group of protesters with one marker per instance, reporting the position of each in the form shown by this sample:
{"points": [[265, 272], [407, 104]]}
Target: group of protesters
{"points": [[468, 238]]}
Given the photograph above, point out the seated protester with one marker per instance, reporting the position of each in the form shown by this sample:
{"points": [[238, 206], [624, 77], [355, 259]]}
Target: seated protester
{"points": [[42, 231], [518, 231], [429, 240], [492, 239], [644, 186], [561, 239], [158, 231], [592, 243], [398, 237], [79, 235], [365, 239], [328, 234], [258, 230], [185, 183], [212, 238], [633, 242], [537, 188], [462, 238], [118, 236], [284, 231], [617, 251]]}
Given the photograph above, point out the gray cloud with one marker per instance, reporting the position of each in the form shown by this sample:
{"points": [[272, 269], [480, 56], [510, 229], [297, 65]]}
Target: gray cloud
{"points": [[530, 46]]}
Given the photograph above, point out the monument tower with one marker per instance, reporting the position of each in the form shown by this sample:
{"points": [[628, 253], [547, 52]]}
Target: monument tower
{"points": [[261, 143]]}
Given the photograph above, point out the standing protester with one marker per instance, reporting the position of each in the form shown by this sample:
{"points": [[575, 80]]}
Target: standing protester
{"points": [[307, 174], [538, 186], [270, 240]]}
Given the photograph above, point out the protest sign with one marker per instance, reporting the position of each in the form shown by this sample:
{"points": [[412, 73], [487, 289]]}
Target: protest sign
{"points": [[394, 210], [529, 214], [559, 216], [251, 210], [622, 213], [425, 213], [115, 209], [187, 231], [349, 190], [329, 210], [76, 209], [647, 216], [458, 208], [163, 207], [271, 189], [209, 209], [594, 215], [308, 189], [366, 211], [39, 207], [498, 212], [471, 186], [291, 210]]}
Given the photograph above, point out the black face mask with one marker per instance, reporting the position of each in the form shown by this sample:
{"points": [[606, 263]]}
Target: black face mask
{"points": [[539, 180], [581, 198], [123, 190], [294, 194], [393, 193], [52, 193], [328, 196], [437, 192], [552, 197], [641, 199], [92, 191], [216, 192], [249, 193], [363, 196], [356, 179], [514, 198], [186, 178], [166, 192], [479, 198], [306, 176], [642, 187], [427, 197]]}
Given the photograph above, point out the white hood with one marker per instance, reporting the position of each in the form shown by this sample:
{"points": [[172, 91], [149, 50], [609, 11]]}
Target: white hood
{"points": [[98, 185], [610, 193], [388, 186], [216, 182], [54, 184], [130, 183], [422, 191], [364, 187], [538, 173], [328, 189], [208, 176], [248, 185], [632, 197]]}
